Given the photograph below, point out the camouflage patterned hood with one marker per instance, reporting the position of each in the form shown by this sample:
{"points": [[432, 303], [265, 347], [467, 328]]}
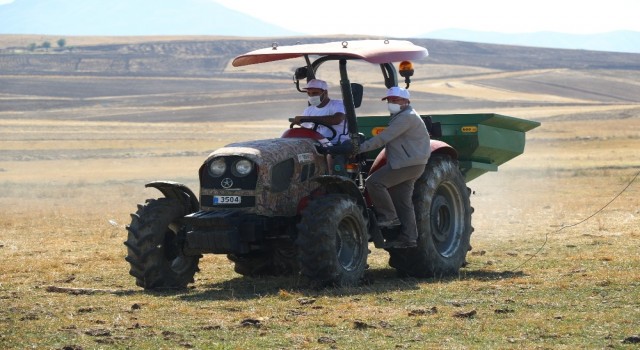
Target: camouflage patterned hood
{"points": [[297, 161], [269, 151]]}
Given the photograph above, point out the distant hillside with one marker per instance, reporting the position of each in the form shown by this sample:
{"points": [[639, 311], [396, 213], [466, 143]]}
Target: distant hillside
{"points": [[189, 79], [618, 41], [208, 57], [511, 57]]}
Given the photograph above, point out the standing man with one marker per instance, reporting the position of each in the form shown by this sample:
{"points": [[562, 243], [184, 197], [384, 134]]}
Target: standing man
{"points": [[390, 188], [324, 109]]}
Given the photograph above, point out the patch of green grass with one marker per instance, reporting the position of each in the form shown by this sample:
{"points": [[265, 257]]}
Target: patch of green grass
{"points": [[581, 293]]}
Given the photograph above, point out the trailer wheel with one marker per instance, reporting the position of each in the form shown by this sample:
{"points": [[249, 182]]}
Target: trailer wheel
{"points": [[443, 215], [152, 245], [333, 241], [279, 260]]}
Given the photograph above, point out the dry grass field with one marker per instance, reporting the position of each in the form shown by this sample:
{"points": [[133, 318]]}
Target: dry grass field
{"points": [[555, 256]]}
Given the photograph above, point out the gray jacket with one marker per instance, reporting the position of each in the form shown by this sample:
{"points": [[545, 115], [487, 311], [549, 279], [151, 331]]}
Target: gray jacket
{"points": [[406, 138]]}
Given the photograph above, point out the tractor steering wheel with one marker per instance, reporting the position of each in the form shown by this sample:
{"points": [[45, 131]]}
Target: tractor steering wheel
{"points": [[316, 123]]}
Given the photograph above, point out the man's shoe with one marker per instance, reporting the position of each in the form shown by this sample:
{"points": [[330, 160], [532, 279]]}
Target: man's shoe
{"points": [[389, 223], [401, 244]]}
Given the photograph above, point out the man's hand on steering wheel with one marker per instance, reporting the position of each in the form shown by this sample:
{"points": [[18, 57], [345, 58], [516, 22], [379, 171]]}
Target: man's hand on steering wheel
{"points": [[296, 119]]}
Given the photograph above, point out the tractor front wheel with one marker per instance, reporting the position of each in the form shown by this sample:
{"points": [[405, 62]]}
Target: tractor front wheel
{"points": [[153, 249], [333, 241]]}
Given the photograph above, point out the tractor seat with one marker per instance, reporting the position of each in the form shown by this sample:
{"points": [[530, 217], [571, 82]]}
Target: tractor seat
{"points": [[379, 162], [302, 133]]}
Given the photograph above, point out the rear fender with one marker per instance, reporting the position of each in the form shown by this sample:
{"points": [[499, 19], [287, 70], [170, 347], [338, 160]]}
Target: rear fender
{"points": [[439, 147], [176, 190]]}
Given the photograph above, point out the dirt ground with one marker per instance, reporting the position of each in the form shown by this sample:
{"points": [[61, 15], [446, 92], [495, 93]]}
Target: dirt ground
{"points": [[554, 260], [571, 168]]}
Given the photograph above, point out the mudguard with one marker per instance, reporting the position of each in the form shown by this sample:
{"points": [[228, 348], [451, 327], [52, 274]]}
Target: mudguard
{"points": [[176, 190], [437, 147]]}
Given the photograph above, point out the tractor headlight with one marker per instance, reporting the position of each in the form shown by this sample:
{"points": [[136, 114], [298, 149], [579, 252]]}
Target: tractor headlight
{"points": [[217, 167], [242, 167]]}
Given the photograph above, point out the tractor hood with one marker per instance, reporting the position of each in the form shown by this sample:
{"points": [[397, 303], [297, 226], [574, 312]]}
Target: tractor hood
{"points": [[270, 151], [283, 173]]}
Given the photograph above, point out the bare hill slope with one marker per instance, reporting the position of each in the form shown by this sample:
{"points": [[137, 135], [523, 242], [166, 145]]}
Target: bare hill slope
{"points": [[206, 56], [190, 79]]}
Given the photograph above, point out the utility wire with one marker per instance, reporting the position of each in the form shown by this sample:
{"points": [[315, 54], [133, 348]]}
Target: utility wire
{"points": [[546, 236]]}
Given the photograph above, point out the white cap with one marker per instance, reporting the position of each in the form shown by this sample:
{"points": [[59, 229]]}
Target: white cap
{"points": [[317, 84], [397, 92]]}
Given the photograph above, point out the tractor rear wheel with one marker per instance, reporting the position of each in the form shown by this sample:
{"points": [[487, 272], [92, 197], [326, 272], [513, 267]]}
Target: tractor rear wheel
{"points": [[333, 241], [443, 215], [152, 244]]}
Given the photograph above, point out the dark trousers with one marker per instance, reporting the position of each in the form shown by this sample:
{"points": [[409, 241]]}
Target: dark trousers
{"points": [[390, 191]]}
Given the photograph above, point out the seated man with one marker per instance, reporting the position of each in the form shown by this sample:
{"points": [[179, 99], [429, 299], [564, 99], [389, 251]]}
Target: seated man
{"points": [[326, 110]]}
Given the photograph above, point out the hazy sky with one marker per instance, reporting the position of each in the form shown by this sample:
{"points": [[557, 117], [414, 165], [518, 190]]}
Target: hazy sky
{"points": [[413, 17], [410, 18]]}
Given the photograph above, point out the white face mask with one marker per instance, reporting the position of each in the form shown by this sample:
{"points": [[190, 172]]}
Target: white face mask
{"points": [[315, 100], [394, 108]]}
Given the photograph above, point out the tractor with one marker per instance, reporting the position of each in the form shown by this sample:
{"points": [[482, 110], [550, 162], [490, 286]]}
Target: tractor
{"points": [[277, 207]]}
